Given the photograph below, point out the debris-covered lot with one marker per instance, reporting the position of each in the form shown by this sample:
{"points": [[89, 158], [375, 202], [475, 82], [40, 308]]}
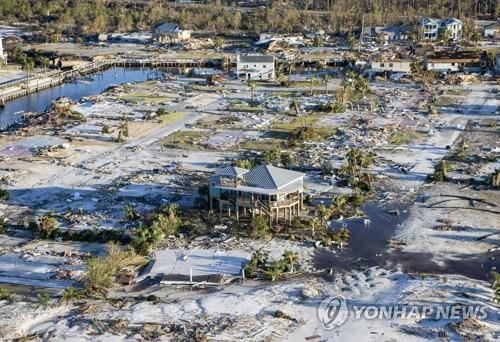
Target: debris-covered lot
{"points": [[107, 231]]}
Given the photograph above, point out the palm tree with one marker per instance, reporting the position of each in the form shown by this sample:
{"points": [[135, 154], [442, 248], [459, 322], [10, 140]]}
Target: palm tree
{"points": [[122, 130], [252, 86], [291, 259], [474, 36], [44, 61], [312, 79], [326, 78], [338, 205], [275, 270], [323, 214], [28, 65], [351, 40]]}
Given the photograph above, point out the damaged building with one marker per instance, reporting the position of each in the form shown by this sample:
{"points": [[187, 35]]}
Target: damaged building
{"points": [[264, 190]]}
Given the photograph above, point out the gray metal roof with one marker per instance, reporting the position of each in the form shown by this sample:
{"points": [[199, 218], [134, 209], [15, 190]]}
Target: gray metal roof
{"points": [[232, 171], [451, 21], [169, 27], [270, 177], [256, 59]]}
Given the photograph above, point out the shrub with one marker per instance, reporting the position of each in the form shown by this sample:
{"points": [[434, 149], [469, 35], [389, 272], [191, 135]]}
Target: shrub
{"points": [[440, 170], [49, 227], [105, 129], [168, 220], [145, 239], [5, 294], [70, 294], [98, 277], [275, 270], [259, 227], [43, 300], [4, 195], [496, 286], [3, 221], [130, 213]]}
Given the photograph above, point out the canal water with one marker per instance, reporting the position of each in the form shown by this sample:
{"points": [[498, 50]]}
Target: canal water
{"points": [[85, 86]]}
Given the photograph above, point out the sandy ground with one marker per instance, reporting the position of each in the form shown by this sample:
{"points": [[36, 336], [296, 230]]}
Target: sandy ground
{"points": [[248, 312]]}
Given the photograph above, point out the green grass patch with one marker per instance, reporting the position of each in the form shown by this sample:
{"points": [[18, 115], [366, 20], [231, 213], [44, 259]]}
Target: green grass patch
{"points": [[303, 84], [445, 101], [244, 107], [143, 97], [210, 89], [456, 92], [404, 137], [171, 117], [187, 140], [311, 120]]}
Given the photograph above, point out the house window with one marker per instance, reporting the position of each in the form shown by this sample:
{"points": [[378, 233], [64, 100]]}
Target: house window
{"points": [[264, 66], [452, 64], [213, 184], [381, 65], [390, 65]]}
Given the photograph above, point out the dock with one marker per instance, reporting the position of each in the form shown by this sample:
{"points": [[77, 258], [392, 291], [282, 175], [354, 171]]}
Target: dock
{"points": [[44, 80]]}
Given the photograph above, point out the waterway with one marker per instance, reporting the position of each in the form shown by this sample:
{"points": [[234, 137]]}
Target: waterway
{"points": [[15, 110]]}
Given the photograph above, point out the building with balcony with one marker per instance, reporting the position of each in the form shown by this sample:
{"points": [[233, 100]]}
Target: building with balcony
{"points": [[255, 67], [266, 190]]}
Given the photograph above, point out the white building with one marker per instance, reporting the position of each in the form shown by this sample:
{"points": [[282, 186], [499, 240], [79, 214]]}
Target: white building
{"points": [[492, 30], [3, 54], [431, 28], [255, 67], [455, 61], [453, 26], [171, 34], [391, 67]]}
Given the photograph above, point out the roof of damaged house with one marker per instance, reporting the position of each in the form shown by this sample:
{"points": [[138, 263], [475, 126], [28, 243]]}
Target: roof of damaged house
{"points": [[264, 179], [169, 27], [231, 171], [271, 177], [256, 59], [454, 56], [451, 21]]}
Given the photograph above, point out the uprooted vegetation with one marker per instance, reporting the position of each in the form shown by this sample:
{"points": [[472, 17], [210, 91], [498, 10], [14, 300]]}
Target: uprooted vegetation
{"points": [[102, 271], [260, 267]]}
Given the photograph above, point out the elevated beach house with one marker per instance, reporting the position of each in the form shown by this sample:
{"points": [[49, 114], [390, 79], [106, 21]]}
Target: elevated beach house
{"points": [[265, 190]]}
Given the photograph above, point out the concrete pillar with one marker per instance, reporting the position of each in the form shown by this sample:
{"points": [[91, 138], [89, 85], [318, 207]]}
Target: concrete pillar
{"points": [[237, 213]]}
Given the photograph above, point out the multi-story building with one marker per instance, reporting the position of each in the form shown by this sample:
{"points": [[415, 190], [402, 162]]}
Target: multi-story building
{"points": [[266, 190], [431, 29], [255, 67]]}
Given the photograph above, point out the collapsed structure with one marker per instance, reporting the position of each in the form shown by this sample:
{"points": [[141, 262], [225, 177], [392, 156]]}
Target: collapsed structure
{"points": [[264, 190], [168, 33], [453, 61]]}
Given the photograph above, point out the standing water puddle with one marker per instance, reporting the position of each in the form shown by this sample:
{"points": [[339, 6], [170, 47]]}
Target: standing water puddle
{"points": [[368, 247]]}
